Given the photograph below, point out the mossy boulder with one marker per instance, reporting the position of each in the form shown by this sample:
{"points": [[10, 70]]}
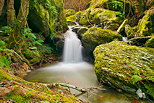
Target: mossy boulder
{"points": [[80, 31], [46, 16], [17, 90], [97, 16], [95, 36], [125, 67], [145, 25]]}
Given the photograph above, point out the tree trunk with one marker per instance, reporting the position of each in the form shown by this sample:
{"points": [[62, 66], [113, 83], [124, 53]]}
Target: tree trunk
{"points": [[23, 13], [10, 12], [1, 6]]}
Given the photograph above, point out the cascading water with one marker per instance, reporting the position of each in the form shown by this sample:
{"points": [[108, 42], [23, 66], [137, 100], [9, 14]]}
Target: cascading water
{"points": [[73, 70], [72, 48]]}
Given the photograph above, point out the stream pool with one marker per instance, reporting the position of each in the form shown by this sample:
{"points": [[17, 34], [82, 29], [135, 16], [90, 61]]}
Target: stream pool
{"points": [[81, 75]]}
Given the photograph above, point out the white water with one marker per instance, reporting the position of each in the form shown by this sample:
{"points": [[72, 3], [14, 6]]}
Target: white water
{"points": [[72, 48], [125, 39], [73, 70]]}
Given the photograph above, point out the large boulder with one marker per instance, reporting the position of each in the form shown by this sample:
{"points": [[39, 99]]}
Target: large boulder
{"points": [[102, 17], [125, 67], [95, 36]]}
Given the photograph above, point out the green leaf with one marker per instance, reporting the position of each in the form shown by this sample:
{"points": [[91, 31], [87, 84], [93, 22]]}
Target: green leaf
{"points": [[135, 78]]}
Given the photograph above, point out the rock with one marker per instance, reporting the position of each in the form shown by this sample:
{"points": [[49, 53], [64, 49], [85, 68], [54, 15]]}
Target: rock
{"points": [[4, 91], [80, 30], [125, 67], [144, 27], [104, 18], [95, 36], [150, 43], [46, 17]]}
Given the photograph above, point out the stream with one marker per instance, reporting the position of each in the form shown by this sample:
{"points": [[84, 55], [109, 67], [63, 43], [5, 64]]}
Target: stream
{"points": [[73, 70]]}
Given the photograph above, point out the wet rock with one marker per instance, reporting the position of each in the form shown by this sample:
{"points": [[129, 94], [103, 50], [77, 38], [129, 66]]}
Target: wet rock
{"points": [[95, 36], [126, 67]]}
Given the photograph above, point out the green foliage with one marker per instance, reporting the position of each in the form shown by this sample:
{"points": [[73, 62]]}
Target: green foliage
{"points": [[2, 44], [18, 98], [135, 78], [7, 30], [4, 62], [119, 14], [31, 38], [117, 5]]}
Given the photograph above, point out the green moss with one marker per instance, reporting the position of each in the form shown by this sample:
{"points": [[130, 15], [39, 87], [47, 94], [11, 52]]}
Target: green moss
{"points": [[102, 17], [143, 29], [129, 66], [18, 98], [71, 18], [69, 12], [25, 92], [31, 53], [95, 36], [2, 44], [130, 31], [97, 3], [47, 16]]}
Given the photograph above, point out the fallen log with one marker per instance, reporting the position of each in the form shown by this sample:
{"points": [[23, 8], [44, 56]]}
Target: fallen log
{"points": [[66, 85]]}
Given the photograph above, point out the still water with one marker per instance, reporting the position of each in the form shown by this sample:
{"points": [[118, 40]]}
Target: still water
{"points": [[81, 75]]}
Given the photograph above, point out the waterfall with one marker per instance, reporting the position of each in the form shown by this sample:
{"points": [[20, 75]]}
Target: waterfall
{"points": [[125, 39], [72, 48]]}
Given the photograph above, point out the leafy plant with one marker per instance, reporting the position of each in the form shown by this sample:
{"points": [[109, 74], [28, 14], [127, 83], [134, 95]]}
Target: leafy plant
{"points": [[4, 62], [7, 30], [31, 38]]}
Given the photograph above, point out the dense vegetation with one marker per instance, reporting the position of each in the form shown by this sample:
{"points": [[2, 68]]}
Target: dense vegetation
{"points": [[31, 35]]}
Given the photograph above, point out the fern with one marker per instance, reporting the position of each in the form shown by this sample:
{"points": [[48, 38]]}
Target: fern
{"points": [[4, 62], [38, 42]]}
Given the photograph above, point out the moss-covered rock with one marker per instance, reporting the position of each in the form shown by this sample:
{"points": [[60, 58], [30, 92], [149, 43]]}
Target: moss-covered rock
{"points": [[125, 67], [95, 36], [17, 90], [46, 17], [145, 25], [102, 17]]}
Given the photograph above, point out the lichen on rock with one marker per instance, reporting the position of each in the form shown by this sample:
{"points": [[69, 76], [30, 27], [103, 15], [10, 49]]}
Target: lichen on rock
{"points": [[95, 36], [125, 67]]}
